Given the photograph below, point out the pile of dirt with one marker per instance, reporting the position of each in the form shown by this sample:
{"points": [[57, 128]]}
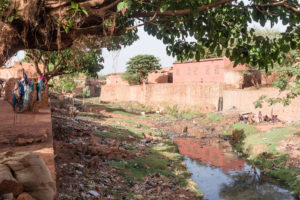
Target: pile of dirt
{"points": [[24, 175]]}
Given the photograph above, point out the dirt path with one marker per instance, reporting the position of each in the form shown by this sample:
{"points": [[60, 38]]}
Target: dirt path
{"points": [[27, 132]]}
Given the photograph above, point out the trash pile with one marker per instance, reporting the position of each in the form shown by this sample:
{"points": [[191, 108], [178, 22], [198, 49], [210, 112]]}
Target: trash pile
{"points": [[86, 152]]}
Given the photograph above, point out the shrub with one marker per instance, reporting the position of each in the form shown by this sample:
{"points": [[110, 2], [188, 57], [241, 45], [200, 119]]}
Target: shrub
{"points": [[172, 110], [86, 91], [215, 117]]}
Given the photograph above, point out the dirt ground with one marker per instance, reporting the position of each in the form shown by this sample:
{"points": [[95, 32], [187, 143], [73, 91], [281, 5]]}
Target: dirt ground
{"points": [[96, 159], [27, 132]]}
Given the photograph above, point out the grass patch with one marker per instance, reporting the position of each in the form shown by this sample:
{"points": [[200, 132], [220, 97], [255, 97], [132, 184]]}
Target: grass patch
{"points": [[137, 169], [214, 117], [270, 139], [138, 128], [290, 177], [92, 115], [295, 125], [248, 129], [111, 135], [171, 110], [187, 115], [169, 151], [287, 176]]}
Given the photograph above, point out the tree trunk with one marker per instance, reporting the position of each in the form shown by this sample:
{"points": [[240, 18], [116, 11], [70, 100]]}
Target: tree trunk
{"points": [[10, 42]]}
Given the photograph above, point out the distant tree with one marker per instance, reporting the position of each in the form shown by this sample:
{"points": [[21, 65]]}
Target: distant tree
{"points": [[139, 67], [288, 81], [68, 61], [64, 84]]}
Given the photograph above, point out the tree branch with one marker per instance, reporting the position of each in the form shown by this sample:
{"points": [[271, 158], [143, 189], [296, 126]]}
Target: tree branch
{"points": [[181, 12]]}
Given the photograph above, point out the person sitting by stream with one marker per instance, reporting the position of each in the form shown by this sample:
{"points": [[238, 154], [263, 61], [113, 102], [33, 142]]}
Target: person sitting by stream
{"points": [[275, 119], [267, 118], [251, 119]]}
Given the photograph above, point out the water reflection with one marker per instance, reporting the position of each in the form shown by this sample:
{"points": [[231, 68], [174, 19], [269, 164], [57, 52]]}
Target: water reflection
{"points": [[214, 154], [220, 174]]}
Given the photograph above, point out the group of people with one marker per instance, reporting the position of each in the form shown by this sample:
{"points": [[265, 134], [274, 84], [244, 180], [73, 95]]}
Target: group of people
{"points": [[266, 118], [23, 88], [250, 118]]}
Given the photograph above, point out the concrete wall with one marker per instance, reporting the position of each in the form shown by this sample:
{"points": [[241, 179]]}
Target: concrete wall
{"points": [[181, 93], [243, 100]]}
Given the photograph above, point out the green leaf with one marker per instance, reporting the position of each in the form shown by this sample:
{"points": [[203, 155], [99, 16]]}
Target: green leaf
{"points": [[69, 23], [74, 5], [163, 8], [67, 29], [10, 19], [84, 12], [121, 5]]}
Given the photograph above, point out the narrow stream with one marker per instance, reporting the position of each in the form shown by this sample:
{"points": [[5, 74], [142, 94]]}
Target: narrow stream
{"points": [[221, 174]]}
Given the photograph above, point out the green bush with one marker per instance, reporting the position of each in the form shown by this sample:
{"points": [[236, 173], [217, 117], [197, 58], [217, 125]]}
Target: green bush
{"points": [[215, 117], [63, 85], [172, 110], [86, 91]]}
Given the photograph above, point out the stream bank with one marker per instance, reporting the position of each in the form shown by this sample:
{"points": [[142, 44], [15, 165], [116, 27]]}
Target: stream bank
{"points": [[135, 150], [229, 146], [103, 152]]}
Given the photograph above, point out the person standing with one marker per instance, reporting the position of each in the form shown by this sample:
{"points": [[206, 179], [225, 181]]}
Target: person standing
{"points": [[271, 113], [259, 116], [1, 86]]}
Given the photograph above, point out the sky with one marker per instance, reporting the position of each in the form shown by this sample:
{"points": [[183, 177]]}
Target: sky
{"points": [[116, 61]]}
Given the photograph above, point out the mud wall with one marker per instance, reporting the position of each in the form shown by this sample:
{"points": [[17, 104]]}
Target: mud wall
{"points": [[205, 94], [243, 100], [179, 93]]}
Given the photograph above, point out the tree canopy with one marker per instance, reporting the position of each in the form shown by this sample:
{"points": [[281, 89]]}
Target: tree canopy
{"points": [[214, 24], [139, 67], [68, 61]]}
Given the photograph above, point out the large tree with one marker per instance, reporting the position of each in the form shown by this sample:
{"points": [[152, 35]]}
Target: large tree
{"points": [[215, 24], [138, 68], [68, 61]]}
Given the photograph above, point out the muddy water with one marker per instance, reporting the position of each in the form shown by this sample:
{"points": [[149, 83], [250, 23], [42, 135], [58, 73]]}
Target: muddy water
{"points": [[221, 174]]}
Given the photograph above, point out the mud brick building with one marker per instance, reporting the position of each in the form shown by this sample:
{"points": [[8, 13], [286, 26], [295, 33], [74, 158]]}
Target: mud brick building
{"points": [[217, 70]]}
